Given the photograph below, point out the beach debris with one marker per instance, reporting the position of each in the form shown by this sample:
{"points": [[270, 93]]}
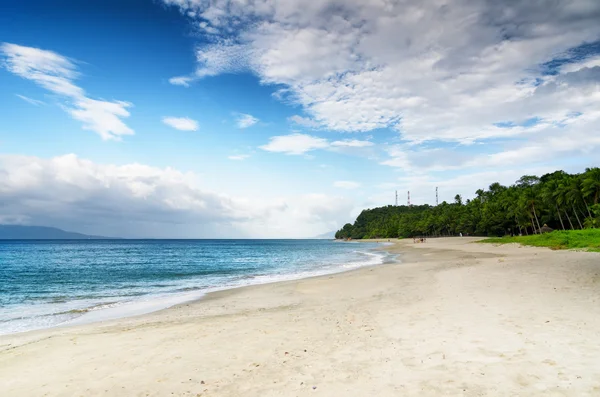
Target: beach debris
{"points": [[202, 382], [288, 353], [314, 387]]}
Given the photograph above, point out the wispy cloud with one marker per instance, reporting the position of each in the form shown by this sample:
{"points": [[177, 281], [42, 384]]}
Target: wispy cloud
{"points": [[31, 101], [182, 80], [294, 144], [239, 157], [181, 123], [346, 184], [352, 143], [57, 74], [304, 121], [225, 57], [246, 120], [298, 143]]}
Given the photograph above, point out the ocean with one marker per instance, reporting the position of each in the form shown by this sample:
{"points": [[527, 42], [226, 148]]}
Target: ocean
{"points": [[52, 283]]}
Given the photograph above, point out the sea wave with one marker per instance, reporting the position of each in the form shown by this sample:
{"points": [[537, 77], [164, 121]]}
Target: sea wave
{"points": [[132, 297]]}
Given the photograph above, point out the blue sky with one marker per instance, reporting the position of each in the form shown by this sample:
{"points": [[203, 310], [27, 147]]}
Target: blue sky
{"points": [[227, 118]]}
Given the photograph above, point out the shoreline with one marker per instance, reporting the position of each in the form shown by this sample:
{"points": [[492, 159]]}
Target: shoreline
{"points": [[152, 303], [453, 318]]}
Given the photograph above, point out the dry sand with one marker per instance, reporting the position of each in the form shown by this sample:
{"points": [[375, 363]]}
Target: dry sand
{"points": [[453, 319]]}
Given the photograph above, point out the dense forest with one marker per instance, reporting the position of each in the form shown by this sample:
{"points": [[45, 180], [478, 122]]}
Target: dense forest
{"points": [[559, 200]]}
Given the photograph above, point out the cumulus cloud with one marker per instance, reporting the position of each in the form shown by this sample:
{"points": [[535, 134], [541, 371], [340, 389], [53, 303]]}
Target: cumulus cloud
{"points": [[137, 200], [430, 70], [346, 184], [31, 101], [57, 74], [181, 123], [246, 120], [68, 190]]}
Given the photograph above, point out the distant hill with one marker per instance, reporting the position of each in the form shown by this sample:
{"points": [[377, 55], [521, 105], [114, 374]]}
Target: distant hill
{"points": [[19, 232], [328, 235]]}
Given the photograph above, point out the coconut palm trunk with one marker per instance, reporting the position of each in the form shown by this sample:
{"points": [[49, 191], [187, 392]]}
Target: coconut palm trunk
{"points": [[569, 218], [588, 210], [536, 217], [577, 216], [559, 217]]}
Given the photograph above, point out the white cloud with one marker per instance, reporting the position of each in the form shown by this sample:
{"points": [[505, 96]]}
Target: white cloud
{"points": [[352, 143], [57, 74], [102, 117], [298, 143], [304, 121], [239, 157], [31, 101], [136, 200], [246, 120], [182, 80], [346, 184], [71, 191], [547, 143], [295, 144], [431, 70], [215, 59], [181, 123]]}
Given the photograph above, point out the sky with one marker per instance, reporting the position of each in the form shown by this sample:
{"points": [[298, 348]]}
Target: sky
{"points": [[283, 118]]}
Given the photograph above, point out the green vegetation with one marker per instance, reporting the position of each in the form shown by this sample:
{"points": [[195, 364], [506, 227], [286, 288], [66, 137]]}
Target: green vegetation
{"points": [[558, 239], [559, 200]]}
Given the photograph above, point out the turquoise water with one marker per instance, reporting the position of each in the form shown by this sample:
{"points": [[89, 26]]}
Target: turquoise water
{"points": [[49, 283]]}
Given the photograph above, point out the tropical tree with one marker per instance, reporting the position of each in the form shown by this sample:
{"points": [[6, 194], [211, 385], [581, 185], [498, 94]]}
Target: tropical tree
{"points": [[591, 184], [553, 199]]}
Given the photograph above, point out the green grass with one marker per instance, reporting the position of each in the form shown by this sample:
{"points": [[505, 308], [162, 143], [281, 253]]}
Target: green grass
{"points": [[587, 239]]}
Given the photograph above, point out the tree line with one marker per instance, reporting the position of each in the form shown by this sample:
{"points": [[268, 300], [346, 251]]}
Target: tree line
{"points": [[559, 200]]}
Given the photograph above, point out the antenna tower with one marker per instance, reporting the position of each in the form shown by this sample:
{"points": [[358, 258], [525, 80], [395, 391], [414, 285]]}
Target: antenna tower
{"points": [[396, 198], [436, 196], [409, 198]]}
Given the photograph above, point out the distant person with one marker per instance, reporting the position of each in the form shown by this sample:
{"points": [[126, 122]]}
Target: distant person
{"points": [[460, 234]]}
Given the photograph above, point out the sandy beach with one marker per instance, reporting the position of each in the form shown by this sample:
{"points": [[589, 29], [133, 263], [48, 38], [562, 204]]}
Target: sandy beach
{"points": [[452, 318]]}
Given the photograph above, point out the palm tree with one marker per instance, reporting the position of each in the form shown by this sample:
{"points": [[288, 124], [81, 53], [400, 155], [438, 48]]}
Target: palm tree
{"points": [[591, 184], [458, 199], [574, 197], [561, 198], [548, 195]]}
